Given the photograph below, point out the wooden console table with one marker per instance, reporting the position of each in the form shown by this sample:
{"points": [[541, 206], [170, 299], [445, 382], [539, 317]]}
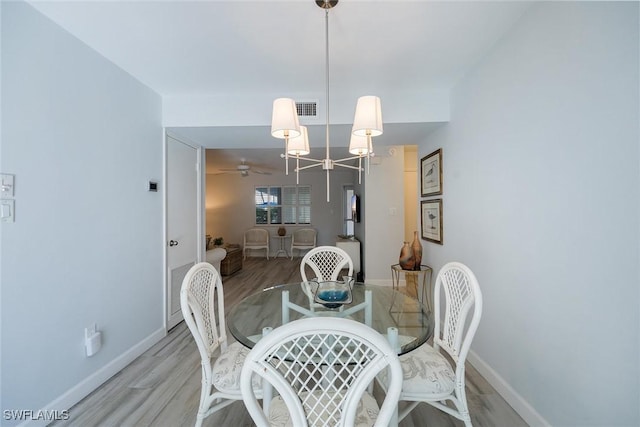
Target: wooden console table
{"points": [[232, 262]]}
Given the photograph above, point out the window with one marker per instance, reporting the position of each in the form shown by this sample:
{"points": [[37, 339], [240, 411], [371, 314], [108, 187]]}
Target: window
{"points": [[283, 205]]}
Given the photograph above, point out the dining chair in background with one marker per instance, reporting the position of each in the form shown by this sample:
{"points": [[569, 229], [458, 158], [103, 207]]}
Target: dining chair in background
{"points": [[428, 376], [303, 239], [321, 372], [201, 296], [326, 263], [255, 238]]}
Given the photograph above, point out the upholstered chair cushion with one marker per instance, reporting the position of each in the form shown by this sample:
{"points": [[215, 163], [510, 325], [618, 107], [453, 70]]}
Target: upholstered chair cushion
{"points": [[227, 368], [426, 371]]}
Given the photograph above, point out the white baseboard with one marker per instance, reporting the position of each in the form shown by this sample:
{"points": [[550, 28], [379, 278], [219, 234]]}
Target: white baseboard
{"points": [[95, 380], [379, 282], [517, 402]]}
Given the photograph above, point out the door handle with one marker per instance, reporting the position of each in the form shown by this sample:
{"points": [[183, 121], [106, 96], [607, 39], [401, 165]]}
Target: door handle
{"points": [[173, 243]]}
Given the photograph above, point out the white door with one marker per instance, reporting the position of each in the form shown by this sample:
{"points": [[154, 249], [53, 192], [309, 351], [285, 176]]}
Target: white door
{"points": [[182, 221]]}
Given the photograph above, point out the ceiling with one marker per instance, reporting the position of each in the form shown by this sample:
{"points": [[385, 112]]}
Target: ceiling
{"points": [[273, 48]]}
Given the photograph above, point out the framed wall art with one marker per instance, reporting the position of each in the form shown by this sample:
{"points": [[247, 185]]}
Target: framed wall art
{"points": [[431, 174], [431, 219]]}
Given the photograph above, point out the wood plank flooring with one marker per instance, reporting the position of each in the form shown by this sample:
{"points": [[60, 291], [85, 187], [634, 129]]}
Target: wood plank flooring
{"points": [[162, 386]]}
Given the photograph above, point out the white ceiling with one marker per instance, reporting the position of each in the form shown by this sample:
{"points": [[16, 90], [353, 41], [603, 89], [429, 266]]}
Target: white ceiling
{"points": [[277, 48]]}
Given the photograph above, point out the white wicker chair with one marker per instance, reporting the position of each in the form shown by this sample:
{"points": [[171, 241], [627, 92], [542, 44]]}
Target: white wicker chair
{"points": [[201, 294], [321, 369], [303, 239], [428, 375], [326, 262], [255, 238]]}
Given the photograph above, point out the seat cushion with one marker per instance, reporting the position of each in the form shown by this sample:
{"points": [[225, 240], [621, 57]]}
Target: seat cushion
{"points": [[225, 373], [426, 371], [366, 413]]}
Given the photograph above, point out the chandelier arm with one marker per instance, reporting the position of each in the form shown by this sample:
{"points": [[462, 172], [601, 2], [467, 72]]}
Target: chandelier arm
{"points": [[346, 166], [309, 166], [349, 158], [311, 160]]}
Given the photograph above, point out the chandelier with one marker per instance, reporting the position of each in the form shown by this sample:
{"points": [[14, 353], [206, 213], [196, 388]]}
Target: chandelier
{"points": [[367, 123]]}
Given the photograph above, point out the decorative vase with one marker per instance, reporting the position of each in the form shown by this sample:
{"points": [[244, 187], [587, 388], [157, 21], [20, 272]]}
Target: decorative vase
{"points": [[407, 260], [282, 231], [416, 247]]}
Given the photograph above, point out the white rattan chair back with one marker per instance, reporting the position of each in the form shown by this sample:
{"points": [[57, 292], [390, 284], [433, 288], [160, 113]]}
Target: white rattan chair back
{"points": [[461, 292], [326, 263], [321, 369], [200, 295], [202, 305]]}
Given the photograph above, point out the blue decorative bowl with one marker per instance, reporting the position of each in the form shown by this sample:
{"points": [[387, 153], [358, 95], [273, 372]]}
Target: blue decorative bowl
{"points": [[333, 294]]}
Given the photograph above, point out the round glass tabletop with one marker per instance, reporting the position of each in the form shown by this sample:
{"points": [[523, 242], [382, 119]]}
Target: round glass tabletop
{"points": [[389, 308]]}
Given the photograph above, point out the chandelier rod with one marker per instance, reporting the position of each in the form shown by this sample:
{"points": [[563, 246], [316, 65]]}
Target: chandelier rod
{"points": [[326, 30]]}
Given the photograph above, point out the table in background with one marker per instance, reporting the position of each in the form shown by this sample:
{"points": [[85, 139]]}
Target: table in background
{"points": [[282, 247], [419, 280], [389, 308]]}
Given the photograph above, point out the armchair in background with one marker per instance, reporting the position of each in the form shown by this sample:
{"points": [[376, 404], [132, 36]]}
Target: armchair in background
{"points": [[303, 239], [255, 238]]}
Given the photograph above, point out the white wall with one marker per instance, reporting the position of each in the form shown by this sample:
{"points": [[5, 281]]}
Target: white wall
{"points": [[541, 195], [230, 205], [411, 192], [383, 215], [424, 105], [83, 138]]}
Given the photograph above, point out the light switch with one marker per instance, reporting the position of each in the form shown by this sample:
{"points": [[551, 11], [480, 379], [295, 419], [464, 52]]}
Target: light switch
{"points": [[7, 208], [7, 185]]}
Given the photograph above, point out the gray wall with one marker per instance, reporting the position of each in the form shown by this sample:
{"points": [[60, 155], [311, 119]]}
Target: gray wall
{"points": [[82, 138], [541, 191]]}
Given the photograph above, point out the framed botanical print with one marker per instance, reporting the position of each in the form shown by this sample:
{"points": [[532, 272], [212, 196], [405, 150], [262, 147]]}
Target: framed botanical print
{"points": [[431, 174], [431, 219]]}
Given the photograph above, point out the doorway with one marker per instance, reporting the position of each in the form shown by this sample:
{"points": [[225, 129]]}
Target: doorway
{"points": [[183, 220]]}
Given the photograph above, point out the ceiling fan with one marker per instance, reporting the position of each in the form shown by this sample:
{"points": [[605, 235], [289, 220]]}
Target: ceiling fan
{"points": [[243, 168]]}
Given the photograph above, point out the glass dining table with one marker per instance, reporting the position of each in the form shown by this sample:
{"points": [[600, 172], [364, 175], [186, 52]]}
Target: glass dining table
{"points": [[401, 318]]}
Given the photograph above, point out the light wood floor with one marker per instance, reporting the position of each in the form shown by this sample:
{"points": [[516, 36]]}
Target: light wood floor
{"points": [[162, 386]]}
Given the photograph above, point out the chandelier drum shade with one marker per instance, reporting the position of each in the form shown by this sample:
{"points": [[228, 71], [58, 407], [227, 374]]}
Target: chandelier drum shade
{"points": [[285, 123], [367, 123]]}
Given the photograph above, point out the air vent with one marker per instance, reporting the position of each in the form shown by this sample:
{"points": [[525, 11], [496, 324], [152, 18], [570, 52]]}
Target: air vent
{"points": [[307, 109]]}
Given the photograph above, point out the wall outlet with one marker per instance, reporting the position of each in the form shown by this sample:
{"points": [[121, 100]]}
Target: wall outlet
{"points": [[92, 340]]}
